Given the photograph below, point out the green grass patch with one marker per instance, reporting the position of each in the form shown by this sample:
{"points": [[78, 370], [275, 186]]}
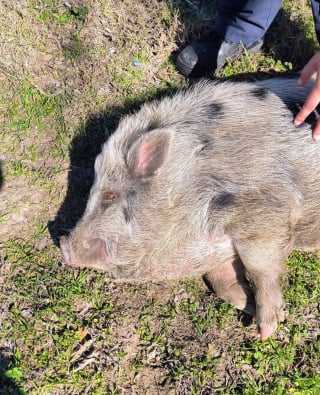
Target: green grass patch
{"points": [[75, 48], [30, 108], [49, 11], [43, 319]]}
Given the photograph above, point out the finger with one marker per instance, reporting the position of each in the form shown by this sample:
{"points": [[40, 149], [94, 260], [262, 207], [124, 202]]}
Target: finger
{"points": [[316, 131], [309, 69], [309, 106]]}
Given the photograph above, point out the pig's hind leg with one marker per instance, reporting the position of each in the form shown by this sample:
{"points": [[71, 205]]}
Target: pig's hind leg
{"points": [[229, 282]]}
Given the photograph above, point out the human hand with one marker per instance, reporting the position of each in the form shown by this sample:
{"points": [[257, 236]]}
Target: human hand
{"points": [[312, 67]]}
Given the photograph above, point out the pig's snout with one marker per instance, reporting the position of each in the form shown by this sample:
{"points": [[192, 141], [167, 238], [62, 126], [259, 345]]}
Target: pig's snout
{"points": [[87, 252], [66, 250]]}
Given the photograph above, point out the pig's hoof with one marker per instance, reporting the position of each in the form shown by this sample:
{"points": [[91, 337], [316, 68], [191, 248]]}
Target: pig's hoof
{"points": [[65, 248], [266, 331]]}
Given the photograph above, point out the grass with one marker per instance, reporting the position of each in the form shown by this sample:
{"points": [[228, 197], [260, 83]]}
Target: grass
{"points": [[43, 310], [68, 73]]}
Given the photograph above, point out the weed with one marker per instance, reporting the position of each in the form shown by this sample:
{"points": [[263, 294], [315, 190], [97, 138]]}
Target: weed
{"points": [[79, 13], [39, 230], [75, 48], [52, 11]]}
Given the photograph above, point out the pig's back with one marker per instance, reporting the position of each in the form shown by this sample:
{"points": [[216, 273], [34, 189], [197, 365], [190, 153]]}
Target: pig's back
{"points": [[243, 140]]}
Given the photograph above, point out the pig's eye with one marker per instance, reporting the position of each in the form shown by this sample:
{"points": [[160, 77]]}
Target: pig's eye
{"points": [[109, 197]]}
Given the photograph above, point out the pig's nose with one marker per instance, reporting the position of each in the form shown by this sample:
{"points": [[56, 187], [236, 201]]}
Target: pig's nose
{"points": [[65, 248]]}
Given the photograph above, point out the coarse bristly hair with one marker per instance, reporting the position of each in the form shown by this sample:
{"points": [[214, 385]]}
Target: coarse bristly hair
{"points": [[214, 180]]}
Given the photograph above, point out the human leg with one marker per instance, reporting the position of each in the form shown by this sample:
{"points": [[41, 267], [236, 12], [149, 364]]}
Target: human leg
{"points": [[239, 25], [245, 21], [315, 4]]}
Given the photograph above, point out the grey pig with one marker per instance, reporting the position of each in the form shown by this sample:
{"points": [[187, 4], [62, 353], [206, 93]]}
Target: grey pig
{"points": [[213, 181]]}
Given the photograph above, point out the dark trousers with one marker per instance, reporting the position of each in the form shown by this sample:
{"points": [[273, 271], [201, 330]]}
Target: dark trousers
{"points": [[248, 20]]}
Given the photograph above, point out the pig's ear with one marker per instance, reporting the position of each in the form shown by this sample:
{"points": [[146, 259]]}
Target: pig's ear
{"points": [[149, 153]]}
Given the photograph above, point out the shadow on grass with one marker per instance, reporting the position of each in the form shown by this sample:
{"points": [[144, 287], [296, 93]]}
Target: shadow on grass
{"points": [[287, 40], [83, 151], [7, 385]]}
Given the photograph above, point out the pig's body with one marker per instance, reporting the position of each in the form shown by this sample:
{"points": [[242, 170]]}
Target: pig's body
{"points": [[214, 181]]}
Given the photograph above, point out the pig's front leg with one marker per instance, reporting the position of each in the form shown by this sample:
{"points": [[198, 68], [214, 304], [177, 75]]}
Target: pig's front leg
{"points": [[263, 262], [229, 282]]}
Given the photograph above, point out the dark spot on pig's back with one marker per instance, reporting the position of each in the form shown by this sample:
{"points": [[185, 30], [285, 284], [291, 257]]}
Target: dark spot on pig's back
{"points": [[222, 200], [260, 93]]}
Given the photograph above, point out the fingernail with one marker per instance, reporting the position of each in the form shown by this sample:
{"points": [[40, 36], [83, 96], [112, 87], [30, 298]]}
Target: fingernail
{"points": [[297, 123], [316, 137]]}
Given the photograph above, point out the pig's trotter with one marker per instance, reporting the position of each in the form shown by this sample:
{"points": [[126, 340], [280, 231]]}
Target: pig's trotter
{"points": [[269, 316]]}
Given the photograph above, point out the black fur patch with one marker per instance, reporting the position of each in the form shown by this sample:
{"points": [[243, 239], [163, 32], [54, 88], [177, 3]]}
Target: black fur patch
{"points": [[222, 200], [260, 93]]}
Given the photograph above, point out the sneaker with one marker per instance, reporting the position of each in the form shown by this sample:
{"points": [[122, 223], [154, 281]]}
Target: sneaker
{"points": [[201, 59]]}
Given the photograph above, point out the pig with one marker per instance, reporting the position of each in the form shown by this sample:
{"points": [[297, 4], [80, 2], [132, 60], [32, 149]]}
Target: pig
{"points": [[214, 181]]}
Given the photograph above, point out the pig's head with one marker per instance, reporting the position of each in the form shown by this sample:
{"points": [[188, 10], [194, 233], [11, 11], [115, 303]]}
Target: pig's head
{"points": [[147, 213], [119, 223]]}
